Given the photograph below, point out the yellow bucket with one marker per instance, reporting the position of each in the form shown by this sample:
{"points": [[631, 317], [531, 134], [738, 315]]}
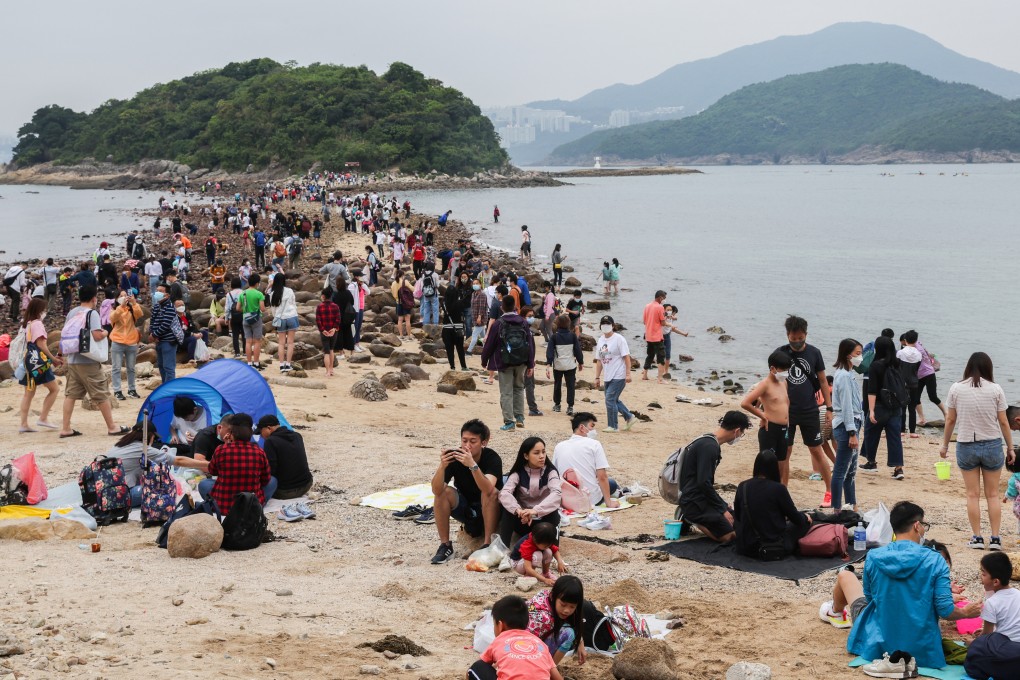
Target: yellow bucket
{"points": [[942, 469]]}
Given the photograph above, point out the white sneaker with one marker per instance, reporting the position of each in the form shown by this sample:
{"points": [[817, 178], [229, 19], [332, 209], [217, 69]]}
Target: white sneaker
{"points": [[597, 522], [611, 430], [628, 423], [358, 348], [887, 668], [841, 620]]}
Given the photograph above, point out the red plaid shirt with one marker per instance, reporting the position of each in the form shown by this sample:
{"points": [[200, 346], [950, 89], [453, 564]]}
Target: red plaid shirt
{"points": [[238, 467], [327, 316]]}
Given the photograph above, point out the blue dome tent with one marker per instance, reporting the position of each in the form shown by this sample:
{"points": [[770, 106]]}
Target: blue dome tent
{"points": [[221, 386]]}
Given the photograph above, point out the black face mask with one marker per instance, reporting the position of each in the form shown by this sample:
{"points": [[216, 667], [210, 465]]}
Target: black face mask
{"points": [[798, 346]]}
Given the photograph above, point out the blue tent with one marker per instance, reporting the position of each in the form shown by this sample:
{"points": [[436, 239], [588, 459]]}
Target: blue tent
{"points": [[221, 386]]}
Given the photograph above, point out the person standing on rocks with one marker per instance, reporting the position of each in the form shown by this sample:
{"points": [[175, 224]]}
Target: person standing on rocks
{"points": [[50, 273], [358, 291], [557, 259], [510, 350], [285, 319], [427, 290], [655, 319], [153, 272], [403, 292], [479, 314], [124, 339], [327, 320], [165, 332], [335, 269], [525, 244], [15, 281], [259, 239], [612, 361]]}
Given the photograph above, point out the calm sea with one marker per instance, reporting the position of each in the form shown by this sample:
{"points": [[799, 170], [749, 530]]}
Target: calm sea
{"points": [[852, 249]]}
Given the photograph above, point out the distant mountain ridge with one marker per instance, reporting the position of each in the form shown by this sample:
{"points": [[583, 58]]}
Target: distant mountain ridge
{"points": [[818, 117], [698, 84]]}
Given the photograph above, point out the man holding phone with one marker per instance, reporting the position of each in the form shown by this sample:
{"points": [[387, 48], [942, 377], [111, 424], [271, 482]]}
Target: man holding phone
{"points": [[473, 499]]}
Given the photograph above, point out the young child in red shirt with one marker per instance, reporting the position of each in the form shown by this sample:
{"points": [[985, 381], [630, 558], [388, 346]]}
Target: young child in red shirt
{"points": [[534, 553], [515, 654]]}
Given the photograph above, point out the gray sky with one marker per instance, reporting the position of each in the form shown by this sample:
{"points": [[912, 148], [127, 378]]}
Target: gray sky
{"points": [[79, 54]]}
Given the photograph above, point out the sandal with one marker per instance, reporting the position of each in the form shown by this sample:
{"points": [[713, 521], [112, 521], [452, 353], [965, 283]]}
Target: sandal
{"points": [[48, 426], [74, 433], [122, 431], [23, 430]]}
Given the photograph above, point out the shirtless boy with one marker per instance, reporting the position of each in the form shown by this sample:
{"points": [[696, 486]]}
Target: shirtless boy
{"points": [[775, 412]]}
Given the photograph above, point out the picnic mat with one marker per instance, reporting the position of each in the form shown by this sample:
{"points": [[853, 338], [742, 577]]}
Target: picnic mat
{"points": [[421, 494], [947, 673], [707, 551]]}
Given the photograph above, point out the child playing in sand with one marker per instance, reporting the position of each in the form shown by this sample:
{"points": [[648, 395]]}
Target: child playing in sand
{"points": [[1013, 490], [538, 550], [515, 653], [996, 653], [557, 618], [774, 413]]}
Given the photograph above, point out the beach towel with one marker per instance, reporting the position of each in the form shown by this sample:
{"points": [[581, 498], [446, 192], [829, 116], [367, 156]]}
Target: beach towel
{"points": [[421, 494], [947, 673], [793, 568]]}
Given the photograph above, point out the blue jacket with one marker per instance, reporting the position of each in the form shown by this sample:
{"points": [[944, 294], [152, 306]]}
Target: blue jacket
{"points": [[907, 588]]}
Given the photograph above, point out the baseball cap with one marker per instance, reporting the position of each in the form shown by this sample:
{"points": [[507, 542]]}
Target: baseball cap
{"points": [[607, 320], [267, 421]]}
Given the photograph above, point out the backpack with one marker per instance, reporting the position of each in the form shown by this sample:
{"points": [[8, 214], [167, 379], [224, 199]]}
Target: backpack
{"points": [[18, 350], [279, 250], [245, 524], [513, 341], [75, 337], [825, 540], [159, 492], [894, 390], [185, 292], [564, 359], [104, 494], [260, 239], [13, 491], [599, 633], [909, 373], [428, 286], [186, 506], [669, 478], [405, 296], [296, 246]]}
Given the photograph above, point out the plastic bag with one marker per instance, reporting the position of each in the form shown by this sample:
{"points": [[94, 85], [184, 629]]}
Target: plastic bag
{"points": [[879, 530], [491, 556], [485, 632], [32, 476], [201, 351], [77, 514]]}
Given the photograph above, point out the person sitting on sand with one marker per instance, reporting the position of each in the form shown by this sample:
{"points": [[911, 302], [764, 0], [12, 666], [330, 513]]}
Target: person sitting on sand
{"points": [[700, 504], [288, 462], [477, 473], [906, 590], [531, 492], [767, 523], [534, 553], [188, 419], [557, 618], [129, 450], [583, 453], [996, 653], [515, 653], [238, 465]]}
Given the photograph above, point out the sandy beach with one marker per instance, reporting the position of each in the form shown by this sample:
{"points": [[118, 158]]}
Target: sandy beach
{"points": [[301, 606]]}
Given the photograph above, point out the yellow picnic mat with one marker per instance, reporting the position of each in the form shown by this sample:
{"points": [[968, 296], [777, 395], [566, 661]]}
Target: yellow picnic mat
{"points": [[421, 494], [23, 511]]}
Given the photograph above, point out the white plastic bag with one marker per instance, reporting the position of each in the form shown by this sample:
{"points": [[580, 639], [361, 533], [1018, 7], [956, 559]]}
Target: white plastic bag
{"points": [[201, 351], [485, 632], [491, 556], [879, 530]]}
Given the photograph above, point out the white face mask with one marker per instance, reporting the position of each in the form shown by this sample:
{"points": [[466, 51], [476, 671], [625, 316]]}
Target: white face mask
{"points": [[180, 310], [782, 375], [736, 439], [857, 360], [592, 434], [121, 300], [606, 329], [42, 317]]}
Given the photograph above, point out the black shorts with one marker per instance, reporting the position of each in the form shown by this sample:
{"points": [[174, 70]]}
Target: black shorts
{"points": [[773, 437], [656, 353], [714, 522], [810, 428], [470, 515], [329, 343]]}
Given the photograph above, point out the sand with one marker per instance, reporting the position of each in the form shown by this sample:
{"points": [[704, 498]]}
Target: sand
{"points": [[356, 575]]}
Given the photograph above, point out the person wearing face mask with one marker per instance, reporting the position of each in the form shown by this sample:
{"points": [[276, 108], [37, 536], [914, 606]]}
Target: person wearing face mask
{"points": [[701, 505], [479, 311], [846, 423], [38, 366], [124, 338], [612, 362], [583, 453], [192, 332], [907, 589], [166, 332], [774, 413]]}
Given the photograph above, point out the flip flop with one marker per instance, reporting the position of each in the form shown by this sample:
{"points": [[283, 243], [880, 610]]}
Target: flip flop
{"points": [[74, 433], [122, 431], [48, 426], [23, 430]]}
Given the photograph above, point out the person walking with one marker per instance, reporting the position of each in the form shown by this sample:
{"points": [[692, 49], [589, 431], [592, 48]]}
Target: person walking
{"points": [[563, 354], [888, 418], [509, 349], [124, 338], [495, 214], [50, 274], [977, 410], [37, 365], [525, 244], [655, 319], [549, 311], [557, 262], [927, 382], [847, 420], [612, 360], [614, 277]]}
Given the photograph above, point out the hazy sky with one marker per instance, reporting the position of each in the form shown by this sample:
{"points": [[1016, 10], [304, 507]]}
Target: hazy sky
{"points": [[79, 54]]}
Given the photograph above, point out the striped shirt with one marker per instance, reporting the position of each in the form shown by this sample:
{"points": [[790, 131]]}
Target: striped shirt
{"points": [[977, 410]]}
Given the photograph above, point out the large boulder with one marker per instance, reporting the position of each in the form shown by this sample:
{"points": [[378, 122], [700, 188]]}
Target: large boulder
{"points": [[197, 535], [380, 350], [572, 282], [359, 359], [69, 529], [462, 380], [414, 372], [398, 359], [645, 659], [395, 380], [598, 305], [391, 339], [379, 299], [368, 388]]}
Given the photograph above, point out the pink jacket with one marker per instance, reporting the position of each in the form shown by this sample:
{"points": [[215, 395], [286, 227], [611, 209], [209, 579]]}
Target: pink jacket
{"points": [[543, 501]]}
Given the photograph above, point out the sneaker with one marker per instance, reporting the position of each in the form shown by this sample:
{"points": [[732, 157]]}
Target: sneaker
{"points": [[897, 473], [427, 517], [410, 512], [519, 424], [827, 500], [444, 554], [305, 511], [535, 413], [134, 395], [841, 620], [994, 543], [358, 348], [120, 396], [597, 522], [509, 427], [868, 467], [815, 477], [629, 423], [237, 355], [977, 542], [289, 514], [556, 408], [570, 410], [903, 667], [611, 430]]}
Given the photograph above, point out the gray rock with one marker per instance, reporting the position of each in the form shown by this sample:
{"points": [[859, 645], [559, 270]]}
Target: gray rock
{"points": [[725, 338], [10, 645], [380, 350], [395, 381], [524, 583], [367, 669], [195, 536], [368, 388], [715, 329], [414, 372], [461, 380], [745, 670], [446, 389], [359, 359]]}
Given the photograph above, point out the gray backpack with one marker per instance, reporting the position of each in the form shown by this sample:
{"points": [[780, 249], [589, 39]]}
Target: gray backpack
{"points": [[669, 478]]}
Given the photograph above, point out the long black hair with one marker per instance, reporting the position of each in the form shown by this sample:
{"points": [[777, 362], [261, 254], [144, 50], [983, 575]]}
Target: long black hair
{"points": [[279, 281], [885, 350], [135, 435], [521, 462], [569, 589], [766, 465]]}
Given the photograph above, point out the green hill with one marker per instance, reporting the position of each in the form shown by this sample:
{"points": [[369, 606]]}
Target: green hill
{"points": [[817, 115], [261, 112]]}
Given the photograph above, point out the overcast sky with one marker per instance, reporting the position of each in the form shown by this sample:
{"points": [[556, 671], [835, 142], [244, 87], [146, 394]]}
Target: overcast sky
{"points": [[79, 54]]}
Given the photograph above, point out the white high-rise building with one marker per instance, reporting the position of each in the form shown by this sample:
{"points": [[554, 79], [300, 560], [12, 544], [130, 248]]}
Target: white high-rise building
{"points": [[619, 118]]}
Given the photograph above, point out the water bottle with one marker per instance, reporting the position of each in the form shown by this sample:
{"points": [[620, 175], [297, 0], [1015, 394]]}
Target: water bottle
{"points": [[860, 537]]}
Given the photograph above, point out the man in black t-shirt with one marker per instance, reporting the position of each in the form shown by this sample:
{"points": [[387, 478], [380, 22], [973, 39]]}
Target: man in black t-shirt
{"points": [[700, 504], [807, 376], [473, 500], [208, 438]]}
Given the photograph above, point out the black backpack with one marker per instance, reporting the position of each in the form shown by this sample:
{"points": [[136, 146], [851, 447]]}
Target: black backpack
{"points": [[598, 633], [513, 340], [245, 524], [909, 373], [428, 286], [894, 389]]}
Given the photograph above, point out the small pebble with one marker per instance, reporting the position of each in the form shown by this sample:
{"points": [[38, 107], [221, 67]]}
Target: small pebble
{"points": [[271, 662], [371, 670], [198, 621], [389, 654], [284, 592]]}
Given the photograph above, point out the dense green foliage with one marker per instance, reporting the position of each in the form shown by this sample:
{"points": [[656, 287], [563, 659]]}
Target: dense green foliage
{"points": [[819, 114], [261, 112]]}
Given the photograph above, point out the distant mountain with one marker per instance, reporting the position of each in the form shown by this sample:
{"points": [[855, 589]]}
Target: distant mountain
{"points": [[817, 116], [698, 84]]}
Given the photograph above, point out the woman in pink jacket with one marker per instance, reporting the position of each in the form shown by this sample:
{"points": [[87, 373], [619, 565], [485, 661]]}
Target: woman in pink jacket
{"points": [[531, 492]]}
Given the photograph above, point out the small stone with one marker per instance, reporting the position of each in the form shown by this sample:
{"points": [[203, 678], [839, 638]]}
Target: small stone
{"points": [[745, 670], [198, 621], [526, 583], [389, 654], [177, 602], [60, 666], [410, 666], [271, 662], [654, 404], [370, 670], [284, 592]]}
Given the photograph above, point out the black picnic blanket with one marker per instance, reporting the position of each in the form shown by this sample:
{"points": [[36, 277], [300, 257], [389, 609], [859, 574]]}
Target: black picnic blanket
{"points": [[793, 568]]}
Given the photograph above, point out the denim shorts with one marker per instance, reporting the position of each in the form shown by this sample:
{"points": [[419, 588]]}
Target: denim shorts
{"points": [[290, 324], [987, 455]]}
